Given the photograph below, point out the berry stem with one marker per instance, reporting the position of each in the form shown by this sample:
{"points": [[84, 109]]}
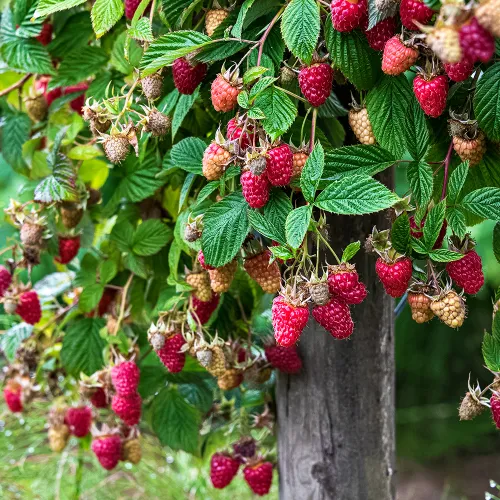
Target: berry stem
{"points": [[79, 471], [127, 98], [329, 247], [16, 85], [313, 129], [123, 303], [446, 168], [295, 96], [266, 33]]}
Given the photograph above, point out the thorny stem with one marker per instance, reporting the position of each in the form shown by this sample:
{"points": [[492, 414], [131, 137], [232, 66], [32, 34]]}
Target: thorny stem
{"points": [[126, 103], [123, 304], [313, 129], [266, 33], [56, 318], [488, 387], [434, 278], [16, 85], [446, 168], [317, 254], [303, 125], [329, 247]]}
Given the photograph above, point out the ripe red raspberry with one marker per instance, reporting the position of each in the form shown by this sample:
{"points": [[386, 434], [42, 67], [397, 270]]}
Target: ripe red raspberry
{"points": [[223, 468], [259, 477], [380, 33], [397, 57], [316, 83], [171, 355], [105, 302], [68, 248], [99, 398], [127, 408], [125, 378], [131, 7], [79, 420], [224, 94], [187, 76], [42, 84], [335, 317], [288, 321], [45, 36], [285, 359], [29, 307], [347, 14], [395, 276], [12, 394], [414, 10], [204, 310], [107, 449], [417, 232], [256, 189], [201, 260], [460, 71], [235, 131], [343, 282], [476, 42], [467, 272], [431, 94], [78, 102], [279, 165], [5, 280], [495, 409]]}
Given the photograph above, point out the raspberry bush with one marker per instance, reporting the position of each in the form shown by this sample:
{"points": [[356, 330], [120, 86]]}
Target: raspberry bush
{"points": [[181, 162]]}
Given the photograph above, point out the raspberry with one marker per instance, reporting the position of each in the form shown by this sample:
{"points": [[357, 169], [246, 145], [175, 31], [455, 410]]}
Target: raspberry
{"points": [[380, 33], [157, 123], [222, 277], [460, 71], [71, 214], [5, 280], [470, 149], [79, 420], [230, 379], [131, 451], [201, 285], [397, 57], [417, 232], [127, 408], [445, 43], [288, 321], [77, 103], [45, 36], [347, 14], [12, 395], [203, 310], [116, 147], [450, 309], [420, 306], [467, 272], [299, 161], [187, 76], [488, 16], [414, 10], [215, 160], [224, 94], [104, 304], [495, 409], [476, 42], [125, 378], [285, 359], [217, 363], [335, 318], [267, 275], [36, 107], [319, 292], [201, 260], [359, 122], [316, 83], [42, 84], [245, 447], [68, 248], [431, 93], [394, 276], [255, 188], [259, 477], [107, 449], [31, 234], [343, 282], [279, 165], [171, 355], [152, 86], [470, 407], [235, 133], [58, 437], [213, 19], [131, 7], [223, 468], [29, 307], [99, 399]]}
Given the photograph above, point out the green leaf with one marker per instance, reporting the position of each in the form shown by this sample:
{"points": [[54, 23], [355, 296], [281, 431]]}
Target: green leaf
{"points": [[16, 131], [198, 394], [281, 252], [300, 27], [496, 241], [400, 233], [142, 31], [487, 102], [243, 99], [90, 297], [419, 246], [188, 154], [261, 85], [108, 270], [123, 235], [491, 346], [456, 221], [360, 159], [225, 228], [57, 187], [355, 195], [296, 225], [354, 57], [46, 7], [105, 14], [150, 237], [350, 251], [433, 224], [82, 347], [456, 182], [276, 211], [137, 265], [12, 339], [175, 422], [279, 110], [420, 178], [84, 152], [416, 131], [312, 172], [332, 108], [444, 255], [484, 202], [185, 189], [253, 74], [238, 25], [264, 227], [184, 105], [387, 107]]}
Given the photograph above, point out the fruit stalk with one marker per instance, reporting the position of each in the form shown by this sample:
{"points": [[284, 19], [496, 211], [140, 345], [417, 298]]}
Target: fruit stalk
{"points": [[446, 169], [266, 33]]}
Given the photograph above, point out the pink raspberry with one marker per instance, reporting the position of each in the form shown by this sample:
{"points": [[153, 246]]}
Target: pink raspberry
{"points": [[125, 378], [395, 276], [107, 449], [279, 165], [476, 42], [288, 321], [380, 33], [343, 282], [223, 468], [285, 359], [316, 83], [460, 71], [204, 310], [431, 93], [335, 317], [79, 420], [414, 10], [127, 408], [256, 189], [171, 355], [187, 76], [467, 272], [347, 14]]}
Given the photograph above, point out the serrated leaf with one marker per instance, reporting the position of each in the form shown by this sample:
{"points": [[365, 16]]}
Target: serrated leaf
{"points": [[12, 339], [433, 224], [420, 178], [238, 25], [261, 85], [137, 265], [123, 235], [82, 347], [312, 172], [256, 113], [487, 102], [376, 14], [243, 99], [150, 237], [456, 221], [15, 132], [496, 241], [105, 14], [281, 252], [400, 233], [491, 348], [53, 284], [296, 225], [225, 228], [184, 105], [300, 25], [484, 202], [355, 195], [185, 189], [66, 42], [84, 152], [198, 394], [276, 211], [456, 182], [46, 7], [416, 131], [142, 31], [253, 74], [188, 154], [350, 251], [387, 106], [444, 255], [90, 297], [419, 246], [332, 108], [264, 227], [56, 187], [108, 270]]}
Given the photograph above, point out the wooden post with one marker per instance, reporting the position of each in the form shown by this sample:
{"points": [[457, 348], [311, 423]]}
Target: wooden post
{"points": [[336, 419]]}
